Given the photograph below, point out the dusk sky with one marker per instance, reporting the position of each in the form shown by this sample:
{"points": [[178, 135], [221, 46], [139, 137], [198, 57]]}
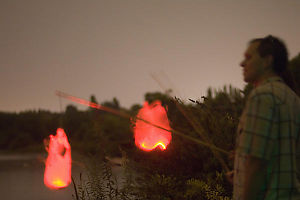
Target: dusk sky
{"points": [[110, 48]]}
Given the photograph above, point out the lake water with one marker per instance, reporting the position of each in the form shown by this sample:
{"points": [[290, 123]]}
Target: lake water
{"points": [[22, 178]]}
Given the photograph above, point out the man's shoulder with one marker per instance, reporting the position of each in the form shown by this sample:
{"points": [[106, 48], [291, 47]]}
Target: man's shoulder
{"points": [[264, 91], [276, 91]]}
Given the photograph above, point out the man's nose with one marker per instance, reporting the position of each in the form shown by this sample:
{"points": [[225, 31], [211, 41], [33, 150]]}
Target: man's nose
{"points": [[242, 64]]}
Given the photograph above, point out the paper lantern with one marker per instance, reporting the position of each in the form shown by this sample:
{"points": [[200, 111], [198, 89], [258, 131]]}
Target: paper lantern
{"points": [[58, 164], [148, 137]]}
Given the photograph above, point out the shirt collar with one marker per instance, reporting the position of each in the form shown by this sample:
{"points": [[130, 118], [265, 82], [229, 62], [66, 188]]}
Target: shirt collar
{"points": [[272, 79]]}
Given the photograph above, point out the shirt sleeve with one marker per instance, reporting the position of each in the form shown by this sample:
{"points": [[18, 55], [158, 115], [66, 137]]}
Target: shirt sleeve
{"points": [[257, 133]]}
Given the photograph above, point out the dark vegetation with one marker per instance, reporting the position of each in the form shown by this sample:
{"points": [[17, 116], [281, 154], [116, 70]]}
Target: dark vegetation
{"points": [[185, 170]]}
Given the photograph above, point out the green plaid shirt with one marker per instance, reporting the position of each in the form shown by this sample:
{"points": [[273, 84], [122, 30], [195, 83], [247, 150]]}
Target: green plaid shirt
{"points": [[269, 129]]}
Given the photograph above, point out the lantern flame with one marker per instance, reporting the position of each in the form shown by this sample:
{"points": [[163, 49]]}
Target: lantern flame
{"points": [[59, 183], [148, 137], [58, 164], [148, 148]]}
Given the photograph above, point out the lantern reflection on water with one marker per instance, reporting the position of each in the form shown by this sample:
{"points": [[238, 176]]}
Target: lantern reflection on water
{"points": [[58, 164], [148, 137]]}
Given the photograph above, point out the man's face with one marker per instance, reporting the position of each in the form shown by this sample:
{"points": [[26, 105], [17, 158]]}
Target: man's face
{"points": [[253, 64]]}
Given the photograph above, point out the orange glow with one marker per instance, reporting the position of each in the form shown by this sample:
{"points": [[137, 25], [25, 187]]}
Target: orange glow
{"points": [[58, 164], [161, 145], [148, 137], [59, 183]]}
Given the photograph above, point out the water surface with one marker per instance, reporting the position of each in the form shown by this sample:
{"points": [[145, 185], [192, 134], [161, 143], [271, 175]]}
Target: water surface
{"points": [[21, 178]]}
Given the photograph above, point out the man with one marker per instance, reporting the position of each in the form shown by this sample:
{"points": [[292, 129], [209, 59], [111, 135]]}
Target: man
{"points": [[268, 142]]}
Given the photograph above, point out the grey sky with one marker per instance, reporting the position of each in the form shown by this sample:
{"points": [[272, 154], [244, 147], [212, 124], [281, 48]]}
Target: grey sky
{"points": [[110, 48]]}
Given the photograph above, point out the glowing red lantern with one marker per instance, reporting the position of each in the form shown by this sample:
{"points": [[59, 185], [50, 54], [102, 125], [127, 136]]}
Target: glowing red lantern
{"points": [[147, 137], [58, 164]]}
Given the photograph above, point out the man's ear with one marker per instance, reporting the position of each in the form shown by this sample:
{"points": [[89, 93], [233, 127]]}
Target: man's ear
{"points": [[268, 61]]}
